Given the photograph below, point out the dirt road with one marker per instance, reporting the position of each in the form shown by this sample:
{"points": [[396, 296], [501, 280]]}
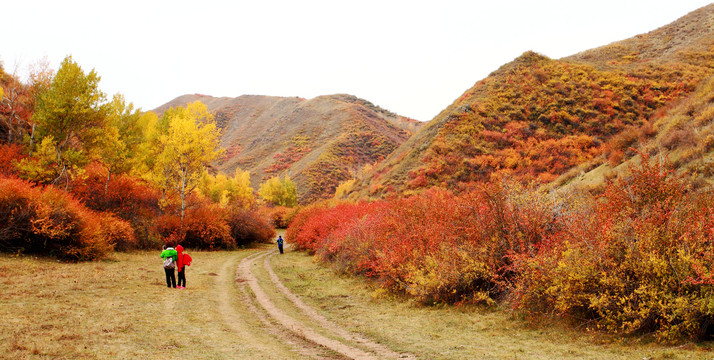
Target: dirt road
{"points": [[316, 337]]}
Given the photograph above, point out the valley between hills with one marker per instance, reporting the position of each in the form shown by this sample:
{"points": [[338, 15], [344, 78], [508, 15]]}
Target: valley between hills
{"points": [[559, 208]]}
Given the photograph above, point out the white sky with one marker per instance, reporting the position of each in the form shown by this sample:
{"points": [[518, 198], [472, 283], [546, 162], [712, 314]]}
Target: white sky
{"points": [[411, 57]]}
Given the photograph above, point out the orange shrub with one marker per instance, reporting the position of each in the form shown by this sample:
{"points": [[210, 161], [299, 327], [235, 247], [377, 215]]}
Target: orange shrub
{"points": [[126, 197], [170, 228], [278, 215], [206, 227], [9, 155], [117, 232], [210, 226], [48, 221]]}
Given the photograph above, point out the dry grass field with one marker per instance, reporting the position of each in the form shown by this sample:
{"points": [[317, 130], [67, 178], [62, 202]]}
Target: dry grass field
{"points": [[121, 309]]}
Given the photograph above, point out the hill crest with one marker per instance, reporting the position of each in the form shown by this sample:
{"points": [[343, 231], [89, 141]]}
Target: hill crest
{"points": [[318, 142], [535, 118]]}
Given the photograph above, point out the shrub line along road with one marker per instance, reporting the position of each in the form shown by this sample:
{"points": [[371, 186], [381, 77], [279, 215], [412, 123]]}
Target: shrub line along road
{"points": [[320, 339]]}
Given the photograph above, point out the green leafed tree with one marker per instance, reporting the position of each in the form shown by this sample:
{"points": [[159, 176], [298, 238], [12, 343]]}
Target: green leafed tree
{"points": [[72, 112], [42, 166], [279, 192], [121, 139]]}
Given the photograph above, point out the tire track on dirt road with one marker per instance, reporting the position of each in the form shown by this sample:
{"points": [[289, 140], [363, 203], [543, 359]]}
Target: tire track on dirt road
{"points": [[230, 316], [381, 350], [303, 330], [297, 343]]}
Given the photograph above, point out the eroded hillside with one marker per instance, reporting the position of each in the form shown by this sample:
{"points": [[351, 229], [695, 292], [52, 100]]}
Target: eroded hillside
{"points": [[318, 142]]}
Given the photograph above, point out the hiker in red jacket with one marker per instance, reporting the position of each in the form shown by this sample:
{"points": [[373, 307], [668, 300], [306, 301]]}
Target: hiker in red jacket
{"points": [[183, 261]]}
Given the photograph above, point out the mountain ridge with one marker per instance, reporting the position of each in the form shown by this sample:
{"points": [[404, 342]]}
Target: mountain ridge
{"points": [[534, 118], [318, 142]]}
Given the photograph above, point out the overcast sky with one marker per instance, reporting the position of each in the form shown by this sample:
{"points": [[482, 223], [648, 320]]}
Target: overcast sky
{"points": [[411, 57]]}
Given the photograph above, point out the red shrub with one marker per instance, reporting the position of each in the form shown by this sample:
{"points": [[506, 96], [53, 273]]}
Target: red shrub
{"points": [[303, 232], [247, 227], [637, 261], [9, 155], [311, 226], [435, 246], [126, 197]]}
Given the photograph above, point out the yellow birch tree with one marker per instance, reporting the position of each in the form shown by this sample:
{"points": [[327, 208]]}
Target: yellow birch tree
{"points": [[189, 144]]}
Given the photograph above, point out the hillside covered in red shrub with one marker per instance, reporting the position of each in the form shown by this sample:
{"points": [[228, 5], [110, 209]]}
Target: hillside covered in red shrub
{"points": [[577, 189], [536, 118], [635, 260]]}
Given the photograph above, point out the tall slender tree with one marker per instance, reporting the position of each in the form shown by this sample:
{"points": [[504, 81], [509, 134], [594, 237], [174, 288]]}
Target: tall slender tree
{"points": [[189, 143]]}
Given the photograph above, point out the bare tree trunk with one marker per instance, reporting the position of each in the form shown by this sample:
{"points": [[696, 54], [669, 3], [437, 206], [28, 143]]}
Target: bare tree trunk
{"points": [[106, 184], [183, 193]]}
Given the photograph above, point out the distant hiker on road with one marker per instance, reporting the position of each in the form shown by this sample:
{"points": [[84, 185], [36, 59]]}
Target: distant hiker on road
{"points": [[170, 257], [183, 261], [280, 243]]}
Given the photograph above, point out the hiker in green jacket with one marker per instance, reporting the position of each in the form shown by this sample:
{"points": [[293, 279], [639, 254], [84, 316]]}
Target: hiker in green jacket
{"points": [[170, 257]]}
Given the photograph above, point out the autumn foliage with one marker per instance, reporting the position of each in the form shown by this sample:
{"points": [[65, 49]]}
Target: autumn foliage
{"points": [[115, 178], [278, 216], [203, 227], [635, 260], [9, 155], [437, 247], [210, 226], [539, 117], [45, 220], [248, 227], [126, 197]]}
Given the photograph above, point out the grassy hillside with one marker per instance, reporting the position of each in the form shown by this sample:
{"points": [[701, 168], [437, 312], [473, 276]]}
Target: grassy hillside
{"points": [[535, 118], [319, 142], [682, 131], [682, 135]]}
